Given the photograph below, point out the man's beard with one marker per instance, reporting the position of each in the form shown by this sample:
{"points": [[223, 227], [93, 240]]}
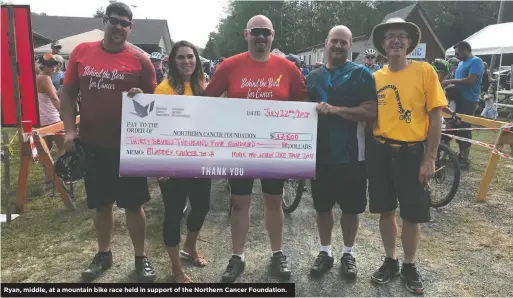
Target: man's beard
{"points": [[260, 47], [114, 40], [341, 59]]}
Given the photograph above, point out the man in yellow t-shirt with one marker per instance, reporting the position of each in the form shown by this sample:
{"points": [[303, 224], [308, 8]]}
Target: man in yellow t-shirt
{"points": [[401, 159]]}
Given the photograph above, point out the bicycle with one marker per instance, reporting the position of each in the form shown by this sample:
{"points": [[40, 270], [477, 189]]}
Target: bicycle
{"points": [[292, 193], [446, 160], [441, 189]]}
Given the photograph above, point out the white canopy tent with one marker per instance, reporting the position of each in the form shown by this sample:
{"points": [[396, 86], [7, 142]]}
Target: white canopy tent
{"points": [[491, 40], [69, 43]]}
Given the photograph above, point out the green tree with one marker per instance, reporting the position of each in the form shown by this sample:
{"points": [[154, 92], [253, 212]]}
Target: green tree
{"points": [[303, 23], [100, 13]]}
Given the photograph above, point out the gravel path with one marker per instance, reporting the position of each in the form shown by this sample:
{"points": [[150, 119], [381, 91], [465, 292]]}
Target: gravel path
{"points": [[466, 250]]}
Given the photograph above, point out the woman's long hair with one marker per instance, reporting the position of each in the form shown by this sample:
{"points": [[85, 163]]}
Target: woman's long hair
{"points": [[174, 78]]}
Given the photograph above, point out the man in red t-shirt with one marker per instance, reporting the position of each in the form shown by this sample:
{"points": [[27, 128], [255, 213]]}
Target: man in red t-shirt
{"points": [[101, 71], [257, 74]]}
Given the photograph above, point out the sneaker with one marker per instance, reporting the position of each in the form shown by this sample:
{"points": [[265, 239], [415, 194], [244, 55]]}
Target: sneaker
{"points": [[322, 264], [348, 266], [101, 262], [464, 162], [386, 272], [144, 270], [233, 270], [413, 278], [280, 266]]}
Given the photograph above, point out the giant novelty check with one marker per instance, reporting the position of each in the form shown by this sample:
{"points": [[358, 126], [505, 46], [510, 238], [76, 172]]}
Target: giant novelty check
{"points": [[183, 136]]}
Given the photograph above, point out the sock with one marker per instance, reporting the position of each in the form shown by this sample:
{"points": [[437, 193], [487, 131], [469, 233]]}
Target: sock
{"points": [[277, 251], [105, 253], [327, 249], [347, 250], [240, 256]]}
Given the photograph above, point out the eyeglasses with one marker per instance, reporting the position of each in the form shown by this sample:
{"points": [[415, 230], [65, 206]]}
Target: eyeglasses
{"points": [[370, 57], [260, 31], [401, 37], [115, 21]]}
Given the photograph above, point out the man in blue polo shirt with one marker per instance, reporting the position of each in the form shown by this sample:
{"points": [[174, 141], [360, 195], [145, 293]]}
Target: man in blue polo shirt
{"points": [[468, 78], [347, 98]]}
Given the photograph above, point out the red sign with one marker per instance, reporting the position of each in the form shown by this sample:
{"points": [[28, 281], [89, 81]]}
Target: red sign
{"points": [[26, 68]]}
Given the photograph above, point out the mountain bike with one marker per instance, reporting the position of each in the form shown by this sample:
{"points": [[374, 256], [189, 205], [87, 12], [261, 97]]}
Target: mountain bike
{"points": [[443, 186], [441, 189]]}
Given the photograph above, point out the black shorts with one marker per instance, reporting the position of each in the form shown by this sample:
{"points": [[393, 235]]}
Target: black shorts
{"points": [[393, 175], [244, 187], [465, 107], [104, 186], [345, 184]]}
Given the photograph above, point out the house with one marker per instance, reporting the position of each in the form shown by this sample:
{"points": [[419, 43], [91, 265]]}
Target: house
{"points": [[314, 54], [429, 48], [148, 34]]}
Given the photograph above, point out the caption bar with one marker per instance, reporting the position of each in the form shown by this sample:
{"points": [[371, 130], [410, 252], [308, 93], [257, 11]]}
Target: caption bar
{"points": [[146, 290]]}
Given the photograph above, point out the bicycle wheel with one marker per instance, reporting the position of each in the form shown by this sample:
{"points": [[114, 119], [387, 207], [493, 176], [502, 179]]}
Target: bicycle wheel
{"points": [[292, 193], [446, 180]]}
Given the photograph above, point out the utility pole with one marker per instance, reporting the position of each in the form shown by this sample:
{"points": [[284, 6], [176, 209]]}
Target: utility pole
{"points": [[499, 20]]}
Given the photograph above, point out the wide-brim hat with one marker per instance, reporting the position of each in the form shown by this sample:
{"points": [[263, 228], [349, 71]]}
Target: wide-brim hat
{"points": [[378, 33]]}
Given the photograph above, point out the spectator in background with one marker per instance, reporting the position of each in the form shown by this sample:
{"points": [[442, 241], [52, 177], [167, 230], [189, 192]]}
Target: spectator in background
{"points": [[487, 78], [56, 50], [369, 61], [36, 65], [156, 60], [468, 78], [219, 61], [164, 64], [58, 75], [490, 110], [49, 103], [304, 69], [453, 62]]}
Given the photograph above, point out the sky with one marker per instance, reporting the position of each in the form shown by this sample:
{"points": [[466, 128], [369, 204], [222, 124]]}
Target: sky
{"points": [[191, 20]]}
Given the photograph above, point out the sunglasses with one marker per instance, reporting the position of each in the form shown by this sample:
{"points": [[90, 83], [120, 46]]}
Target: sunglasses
{"points": [[370, 57], [114, 22], [266, 32]]}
